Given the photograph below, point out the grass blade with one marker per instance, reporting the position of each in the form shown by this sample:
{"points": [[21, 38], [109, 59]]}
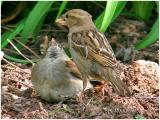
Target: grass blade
{"points": [[113, 9], [120, 6], [38, 12], [19, 60], [143, 9], [99, 19], [108, 15], [10, 35], [149, 38], [61, 9], [38, 27]]}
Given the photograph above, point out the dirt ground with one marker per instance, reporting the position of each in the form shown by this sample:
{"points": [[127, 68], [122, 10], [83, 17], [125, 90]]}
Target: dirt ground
{"points": [[140, 73]]}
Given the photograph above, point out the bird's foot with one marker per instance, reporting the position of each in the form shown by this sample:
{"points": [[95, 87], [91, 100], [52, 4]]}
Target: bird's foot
{"points": [[101, 89], [80, 97]]}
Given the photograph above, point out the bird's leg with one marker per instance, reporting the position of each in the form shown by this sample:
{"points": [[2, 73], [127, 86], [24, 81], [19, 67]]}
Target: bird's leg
{"points": [[101, 88], [81, 96], [84, 83]]}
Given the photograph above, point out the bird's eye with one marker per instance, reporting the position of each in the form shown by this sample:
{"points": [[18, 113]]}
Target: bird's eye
{"points": [[67, 16]]}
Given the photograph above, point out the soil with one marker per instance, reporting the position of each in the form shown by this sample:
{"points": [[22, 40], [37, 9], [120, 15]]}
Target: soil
{"points": [[140, 73]]}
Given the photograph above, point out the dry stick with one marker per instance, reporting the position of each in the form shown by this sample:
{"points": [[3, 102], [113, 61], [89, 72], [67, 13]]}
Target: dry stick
{"points": [[19, 51], [15, 66], [99, 5], [12, 51], [27, 48], [6, 28], [15, 13], [51, 30], [11, 26]]}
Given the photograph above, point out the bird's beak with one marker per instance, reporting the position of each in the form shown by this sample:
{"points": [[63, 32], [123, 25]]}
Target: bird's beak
{"points": [[53, 42], [61, 21]]}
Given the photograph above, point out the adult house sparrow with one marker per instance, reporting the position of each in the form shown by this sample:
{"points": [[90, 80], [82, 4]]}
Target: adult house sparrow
{"points": [[56, 77], [91, 51]]}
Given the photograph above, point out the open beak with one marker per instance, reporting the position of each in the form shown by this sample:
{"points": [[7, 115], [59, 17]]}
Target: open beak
{"points": [[61, 21]]}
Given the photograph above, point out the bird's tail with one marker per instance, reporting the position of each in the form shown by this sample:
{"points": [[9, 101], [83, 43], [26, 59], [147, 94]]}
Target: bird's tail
{"points": [[119, 86]]}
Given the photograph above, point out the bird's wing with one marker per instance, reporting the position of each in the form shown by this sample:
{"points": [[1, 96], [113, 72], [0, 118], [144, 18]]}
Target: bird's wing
{"points": [[73, 68], [94, 46]]}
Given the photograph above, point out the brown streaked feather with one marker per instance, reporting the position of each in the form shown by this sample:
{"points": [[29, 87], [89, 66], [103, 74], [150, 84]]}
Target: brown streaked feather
{"points": [[99, 51], [96, 47], [118, 85], [73, 68]]}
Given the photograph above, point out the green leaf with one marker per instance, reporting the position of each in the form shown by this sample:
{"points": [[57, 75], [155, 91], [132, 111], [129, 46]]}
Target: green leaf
{"points": [[11, 34], [99, 19], [61, 9], [131, 15], [19, 60], [38, 27], [35, 16], [149, 38], [143, 9], [67, 51], [113, 9], [120, 6], [108, 15], [157, 3]]}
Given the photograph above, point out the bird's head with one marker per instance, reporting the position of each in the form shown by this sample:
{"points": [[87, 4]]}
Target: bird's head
{"points": [[76, 19], [54, 49]]}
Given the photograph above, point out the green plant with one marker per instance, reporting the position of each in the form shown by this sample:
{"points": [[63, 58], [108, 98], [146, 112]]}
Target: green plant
{"points": [[113, 9], [150, 38], [35, 19], [61, 9], [143, 9], [30, 25], [11, 34]]}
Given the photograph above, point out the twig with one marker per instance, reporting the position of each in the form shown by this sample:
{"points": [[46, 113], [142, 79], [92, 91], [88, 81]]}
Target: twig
{"points": [[6, 28], [19, 51], [15, 65], [51, 30], [15, 13], [14, 52], [27, 48], [96, 3]]}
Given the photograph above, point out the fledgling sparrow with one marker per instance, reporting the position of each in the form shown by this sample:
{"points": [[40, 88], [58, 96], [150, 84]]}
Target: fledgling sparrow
{"points": [[91, 51], [56, 77]]}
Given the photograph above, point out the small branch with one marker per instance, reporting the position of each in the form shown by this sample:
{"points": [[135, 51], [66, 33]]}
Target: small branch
{"points": [[27, 48], [15, 13], [15, 66], [19, 51]]}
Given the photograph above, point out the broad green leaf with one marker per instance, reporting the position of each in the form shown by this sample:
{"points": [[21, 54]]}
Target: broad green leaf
{"points": [[19, 60], [38, 27], [11, 34], [108, 15], [157, 3], [99, 19], [120, 6], [35, 16], [113, 9], [149, 38], [143, 9], [62, 7]]}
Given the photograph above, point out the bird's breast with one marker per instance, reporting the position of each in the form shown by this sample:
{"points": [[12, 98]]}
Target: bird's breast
{"points": [[82, 63]]}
